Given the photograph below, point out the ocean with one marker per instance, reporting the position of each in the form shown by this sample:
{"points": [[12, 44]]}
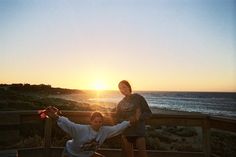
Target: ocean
{"points": [[213, 103]]}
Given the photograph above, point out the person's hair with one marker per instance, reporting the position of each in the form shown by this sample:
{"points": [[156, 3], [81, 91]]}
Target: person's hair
{"points": [[126, 83], [96, 114]]}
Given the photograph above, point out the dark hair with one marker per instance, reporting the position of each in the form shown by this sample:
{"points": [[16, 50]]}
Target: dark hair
{"points": [[126, 83], [96, 114]]}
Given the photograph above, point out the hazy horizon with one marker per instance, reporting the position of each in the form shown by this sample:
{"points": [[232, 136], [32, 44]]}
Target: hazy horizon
{"points": [[117, 90]]}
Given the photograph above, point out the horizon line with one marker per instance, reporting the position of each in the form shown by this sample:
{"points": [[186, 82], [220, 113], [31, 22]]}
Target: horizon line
{"points": [[137, 90]]}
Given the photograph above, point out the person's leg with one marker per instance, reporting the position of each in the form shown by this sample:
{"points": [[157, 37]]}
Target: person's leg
{"points": [[141, 146], [127, 147]]}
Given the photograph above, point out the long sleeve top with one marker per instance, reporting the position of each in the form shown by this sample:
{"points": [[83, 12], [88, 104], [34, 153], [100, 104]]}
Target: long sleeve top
{"points": [[127, 108], [85, 141]]}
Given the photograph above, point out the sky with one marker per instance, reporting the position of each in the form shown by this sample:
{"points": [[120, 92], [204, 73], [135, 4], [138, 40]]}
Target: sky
{"points": [[157, 45]]}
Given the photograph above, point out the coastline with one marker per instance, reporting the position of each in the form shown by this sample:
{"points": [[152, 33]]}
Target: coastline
{"points": [[169, 111], [157, 110]]}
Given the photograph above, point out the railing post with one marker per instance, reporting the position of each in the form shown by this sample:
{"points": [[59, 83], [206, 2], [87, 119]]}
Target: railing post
{"points": [[47, 136], [206, 137]]}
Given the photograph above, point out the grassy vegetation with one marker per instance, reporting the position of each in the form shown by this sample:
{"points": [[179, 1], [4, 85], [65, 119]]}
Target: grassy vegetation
{"points": [[35, 97]]}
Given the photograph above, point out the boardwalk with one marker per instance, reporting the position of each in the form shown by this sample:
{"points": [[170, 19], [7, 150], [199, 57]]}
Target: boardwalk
{"points": [[10, 120]]}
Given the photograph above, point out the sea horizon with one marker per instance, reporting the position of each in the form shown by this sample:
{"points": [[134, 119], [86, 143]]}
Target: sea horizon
{"points": [[213, 103], [170, 91]]}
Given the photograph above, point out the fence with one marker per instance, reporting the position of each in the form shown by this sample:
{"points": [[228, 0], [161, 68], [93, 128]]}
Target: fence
{"points": [[10, 120]]}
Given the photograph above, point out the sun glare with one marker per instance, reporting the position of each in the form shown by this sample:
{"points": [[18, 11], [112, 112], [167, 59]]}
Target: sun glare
{"points": [[99, 85]]}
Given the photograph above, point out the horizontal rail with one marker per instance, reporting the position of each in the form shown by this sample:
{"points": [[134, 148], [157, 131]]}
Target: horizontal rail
{"points": [[12, 119], [189, 119], [56, 151]]}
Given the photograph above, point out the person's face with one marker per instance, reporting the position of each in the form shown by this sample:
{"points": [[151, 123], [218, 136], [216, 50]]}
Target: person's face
{"points": [[124, 89], [96, 123]]}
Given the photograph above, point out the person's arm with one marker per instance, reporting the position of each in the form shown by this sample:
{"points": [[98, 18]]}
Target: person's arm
{"points": [[145, 111], [64, 123], [68, 126], [116, 129]]}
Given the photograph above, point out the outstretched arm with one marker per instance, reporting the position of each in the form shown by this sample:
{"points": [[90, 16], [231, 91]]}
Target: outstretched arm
{"points": [[64, 123], [117, 129], [120, 127]]}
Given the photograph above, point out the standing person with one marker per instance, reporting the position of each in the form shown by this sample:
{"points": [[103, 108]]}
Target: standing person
{"points": [[133, 105], [86, 139]]}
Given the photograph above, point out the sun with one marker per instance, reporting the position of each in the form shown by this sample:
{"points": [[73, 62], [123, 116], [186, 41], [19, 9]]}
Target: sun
{"points": [[99, 85]]}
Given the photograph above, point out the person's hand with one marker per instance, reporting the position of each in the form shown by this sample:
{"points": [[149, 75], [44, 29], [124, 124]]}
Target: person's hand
{"points": [[138, 113], [52, 112], [132, 120], [135, 118]]}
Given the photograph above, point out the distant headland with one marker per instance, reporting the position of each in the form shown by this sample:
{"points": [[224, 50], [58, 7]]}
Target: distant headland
{"points": [[39, 89]]}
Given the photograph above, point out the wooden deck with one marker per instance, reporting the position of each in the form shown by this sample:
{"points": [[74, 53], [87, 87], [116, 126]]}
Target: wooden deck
{"points": [[10, 120]]}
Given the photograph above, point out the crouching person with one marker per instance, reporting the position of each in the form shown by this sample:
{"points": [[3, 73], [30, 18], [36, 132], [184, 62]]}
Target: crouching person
{"points": [[86, 139]]}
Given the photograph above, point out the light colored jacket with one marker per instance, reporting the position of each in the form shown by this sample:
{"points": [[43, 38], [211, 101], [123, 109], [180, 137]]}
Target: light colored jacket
{"points": [[85, 140]]}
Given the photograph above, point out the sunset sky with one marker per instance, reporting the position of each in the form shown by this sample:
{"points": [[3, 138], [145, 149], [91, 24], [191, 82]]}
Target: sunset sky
{"points": [[162, 45]]}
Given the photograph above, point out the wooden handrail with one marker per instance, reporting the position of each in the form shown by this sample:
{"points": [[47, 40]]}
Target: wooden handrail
{"points": [[206, 122]]}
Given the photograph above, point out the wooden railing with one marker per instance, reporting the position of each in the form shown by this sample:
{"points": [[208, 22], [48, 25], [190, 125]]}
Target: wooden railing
{"points": [[10, 120]]}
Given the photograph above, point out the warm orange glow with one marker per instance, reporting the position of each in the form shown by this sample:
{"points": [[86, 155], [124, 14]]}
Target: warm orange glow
{"points": [[99, 85]]}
